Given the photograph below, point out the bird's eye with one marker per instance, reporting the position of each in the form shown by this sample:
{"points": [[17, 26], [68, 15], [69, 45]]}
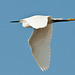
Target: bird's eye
{"points": [[21, 20]]}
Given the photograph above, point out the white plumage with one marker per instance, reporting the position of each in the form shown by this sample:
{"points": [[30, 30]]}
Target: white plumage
{"points": [[40, 46], [41, 37], [40, 40], [37, 21]]}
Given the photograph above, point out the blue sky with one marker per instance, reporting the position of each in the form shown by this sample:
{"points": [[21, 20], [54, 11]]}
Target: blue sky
{"points": [[15, 54]]}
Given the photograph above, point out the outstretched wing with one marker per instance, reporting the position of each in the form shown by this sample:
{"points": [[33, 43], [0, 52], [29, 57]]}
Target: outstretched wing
{"points": [[40, 46], [37, 21]]}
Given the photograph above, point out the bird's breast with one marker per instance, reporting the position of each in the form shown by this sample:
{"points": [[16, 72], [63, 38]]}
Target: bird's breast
{"points": [[26, 25]]}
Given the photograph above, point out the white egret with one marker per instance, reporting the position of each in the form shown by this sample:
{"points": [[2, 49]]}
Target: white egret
{"points": [[40, 39]]}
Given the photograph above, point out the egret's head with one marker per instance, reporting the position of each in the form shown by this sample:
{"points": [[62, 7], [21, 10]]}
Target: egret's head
{"points": [[22, 21]]}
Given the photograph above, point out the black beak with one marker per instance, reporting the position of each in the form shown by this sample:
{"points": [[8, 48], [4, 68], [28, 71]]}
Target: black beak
{"points": [[14, 21]]}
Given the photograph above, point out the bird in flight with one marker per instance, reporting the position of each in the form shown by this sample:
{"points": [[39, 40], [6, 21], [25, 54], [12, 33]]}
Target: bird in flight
{"points": [[40, 39]]}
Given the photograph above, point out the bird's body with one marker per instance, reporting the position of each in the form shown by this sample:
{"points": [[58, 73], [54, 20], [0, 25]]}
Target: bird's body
{"points": [[40, 39], [35, 21]]}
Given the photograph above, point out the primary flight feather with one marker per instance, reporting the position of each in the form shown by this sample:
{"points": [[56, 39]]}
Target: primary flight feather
{"points": [[40, 39]]}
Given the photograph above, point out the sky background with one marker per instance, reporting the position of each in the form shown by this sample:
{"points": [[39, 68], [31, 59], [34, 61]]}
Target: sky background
{"points": [[15, 54]]}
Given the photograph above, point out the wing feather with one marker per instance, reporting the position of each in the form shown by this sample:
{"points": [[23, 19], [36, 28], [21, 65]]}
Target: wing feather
{"points": [[40, 46]]}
